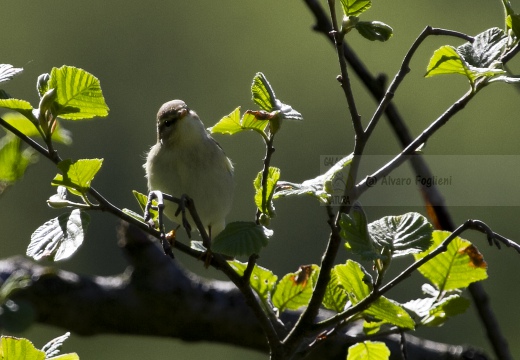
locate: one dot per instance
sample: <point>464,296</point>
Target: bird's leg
<point>208,254</point>
<point>159,196</point>
<point>181,209</point>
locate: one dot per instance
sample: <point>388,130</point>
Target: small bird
<point>186,160</point>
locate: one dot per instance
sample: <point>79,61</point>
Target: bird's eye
<point>167,123</point>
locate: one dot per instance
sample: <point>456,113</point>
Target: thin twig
<point>405,69</point>
<point>344,78</point>
<point>369,181</point>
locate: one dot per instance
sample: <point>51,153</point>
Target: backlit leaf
<point>446,60</point>
<point>295,289</point>
<point>335,295</point>
<point>272,178</point>
<point>358,285</point>
<point>355,7</point>
<point>264,97</point>
<point>77,175</point>
<point>473,60</point>
<point>12,348</point>
<point>79,94</point>
<point>229,124</point>
<point>262,280</point>
<point>60,237</point>
<point>232,123</point>
<point>368,350</point>
<point>455,268</point>
<point>21,106</point>
<point>263,93</point>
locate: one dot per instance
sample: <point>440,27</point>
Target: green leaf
<point>229,124</point>
<point>79,94</point>
<point>321,187</point>
<point>358,285</point>
<point>272,178</point>
<point>335,297</point>
<point>77,175</point>
<point>390,312</point>
<point>473,60</point>
<point>460,265</point>
<point>355,7</point>
<point>252,121</point>
<point>263,93</point>
<point>368,350</point>
<point>295,289</point>
<point>21,106</point>
<point>262,280</point>
<point>241,238</point>
<point>402,235</point>
<point>354,230</point>
<point>446,60</point>
<point>374,30</point>
<point>372,327</point>
<point>12,348</point>
<point>355,280</point>
<point>13,160</point>
<point>7,72</point>
<point>264,97</point>
<point>28,128</point>
<point>59,238</point>
<point>448,307</point>
<point>232,123</point>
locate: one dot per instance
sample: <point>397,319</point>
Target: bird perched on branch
<point>186,160</point>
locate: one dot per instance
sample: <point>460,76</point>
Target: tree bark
<point>156,297</point>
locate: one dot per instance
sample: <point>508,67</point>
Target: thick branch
<point>156,297</point>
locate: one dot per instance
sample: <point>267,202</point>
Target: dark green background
<point>207,53</point>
